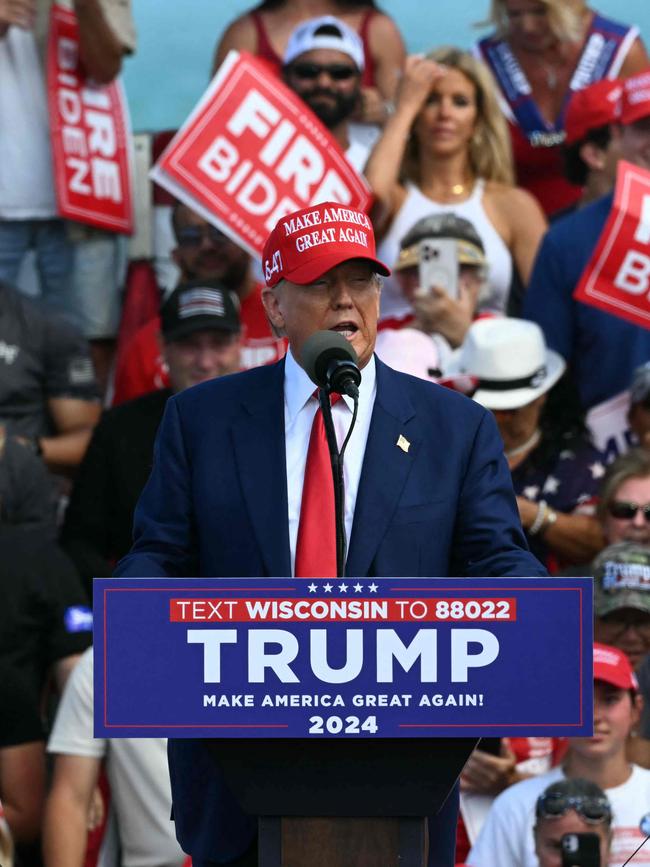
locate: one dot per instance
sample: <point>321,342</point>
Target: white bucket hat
<point>306,38</point>
<point>509,361</point>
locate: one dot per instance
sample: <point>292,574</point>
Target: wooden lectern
<point>342,803</point>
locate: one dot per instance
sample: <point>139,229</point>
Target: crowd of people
<point>492,172</point>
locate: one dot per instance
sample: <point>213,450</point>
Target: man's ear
<point>271,303</point>
<point>593,156</point>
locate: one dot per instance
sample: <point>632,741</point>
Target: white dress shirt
<point>299,410</point>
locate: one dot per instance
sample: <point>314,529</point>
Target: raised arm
<point>384,165</point>
<point>238,36</point>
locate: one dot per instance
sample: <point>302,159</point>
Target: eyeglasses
<point>193,236</point>
<point>614,626</point>
<point>336,71</point>
<point>554,805</point>
<point>625,510</point>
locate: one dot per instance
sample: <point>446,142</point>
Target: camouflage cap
<point>622,578</point>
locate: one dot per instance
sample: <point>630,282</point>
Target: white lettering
<point>633,275</point>
<point>259,660</point>
<point>353,656</point>
<point>423,647</point>
<point>212,639</point>
<point>255,113</point>
<point>219,159</point>
<point>462,660</point>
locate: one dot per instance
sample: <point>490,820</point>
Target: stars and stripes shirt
<point>569,484</point>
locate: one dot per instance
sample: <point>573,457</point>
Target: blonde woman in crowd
<point>542,51</point>
<point>446,148</point>
<point>265,31</point>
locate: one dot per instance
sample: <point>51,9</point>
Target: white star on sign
<point>373,588</point>
<point>597,470</point>
<point>531,492</point>
<point>327,588</point>
<point>358,588</point>
<point>551,485</point>
<point>343,588</point>
<point>312,588</point>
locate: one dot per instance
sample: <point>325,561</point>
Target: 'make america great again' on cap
<point>306,244</point>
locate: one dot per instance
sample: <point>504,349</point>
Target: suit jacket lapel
<point>260,454</point>
<point>385,469</point>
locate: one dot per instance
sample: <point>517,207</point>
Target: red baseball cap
<point>307,243</point>
<point>635,102</point>
<point>612,666</point>
<point>597,105</point>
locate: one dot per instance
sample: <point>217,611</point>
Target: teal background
<point>176,42</point>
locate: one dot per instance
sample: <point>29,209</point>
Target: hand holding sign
<point>252,152</point>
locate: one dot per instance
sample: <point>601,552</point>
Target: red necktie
<point>316,545</point>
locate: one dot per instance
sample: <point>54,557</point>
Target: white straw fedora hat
<point>509,361</point>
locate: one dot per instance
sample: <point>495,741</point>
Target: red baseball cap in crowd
<point>612,666</point>
<point>597,105</point>
<point>635,101</point>
<point>307,243</point>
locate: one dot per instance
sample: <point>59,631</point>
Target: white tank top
<point>417,205</point>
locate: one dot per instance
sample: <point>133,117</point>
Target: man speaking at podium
<point>242,487</point>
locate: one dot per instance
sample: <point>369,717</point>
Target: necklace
<point>530,443</point>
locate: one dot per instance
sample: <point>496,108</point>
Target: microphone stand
<point>336,459</point>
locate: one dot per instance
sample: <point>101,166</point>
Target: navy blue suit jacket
<point>216,505</point>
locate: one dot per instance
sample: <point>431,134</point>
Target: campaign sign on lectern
<point>345,658</point>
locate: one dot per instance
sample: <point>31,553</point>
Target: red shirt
<point>142,368</point>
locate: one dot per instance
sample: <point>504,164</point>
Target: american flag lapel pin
<point>403,443</point>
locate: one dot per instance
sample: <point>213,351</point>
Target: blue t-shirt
<point>602,350</point>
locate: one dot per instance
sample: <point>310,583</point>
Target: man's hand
<point>17,13</point>
<point>486,774</point>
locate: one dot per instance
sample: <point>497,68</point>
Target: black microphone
<point>331,362</point>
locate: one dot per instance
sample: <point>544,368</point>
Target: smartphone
<point>438,265</point>
<point>580,850</point>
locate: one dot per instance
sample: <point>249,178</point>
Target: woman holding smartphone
<point>446,148</point>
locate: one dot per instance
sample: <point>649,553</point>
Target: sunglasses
<point>614,626</point>
<point>625,510</point>
<point>336,71</point>
<point>193,236</point>
<point>592,810</point>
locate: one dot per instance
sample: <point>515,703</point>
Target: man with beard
<point>202,252</point>
<point>323,64</point>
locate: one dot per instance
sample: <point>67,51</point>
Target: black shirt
<point>44,613</point>
<point>20,721</point>
<point>98,527</point>
<point>41,357</point>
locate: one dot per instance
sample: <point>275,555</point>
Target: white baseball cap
<point>306,38</point>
